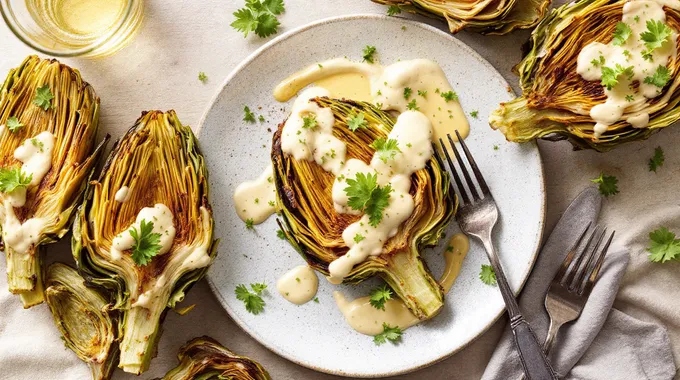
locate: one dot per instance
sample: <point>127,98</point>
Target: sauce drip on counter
<point>256,199</point>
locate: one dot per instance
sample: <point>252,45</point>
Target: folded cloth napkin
<point>604,343</point>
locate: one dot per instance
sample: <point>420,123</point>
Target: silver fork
<point>476,216</point>
<point>572,284</point>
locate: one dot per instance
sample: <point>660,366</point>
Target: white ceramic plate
<point>315,335</point>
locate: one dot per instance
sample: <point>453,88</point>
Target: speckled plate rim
<point>459,44</point>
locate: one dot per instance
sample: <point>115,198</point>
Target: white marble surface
<point>158,70</point>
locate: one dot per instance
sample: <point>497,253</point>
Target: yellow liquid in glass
<point>88,17</point>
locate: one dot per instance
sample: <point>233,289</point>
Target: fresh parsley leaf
<point>657,160</point>
<point>13,123</point>
<point>621,33</point>
<point>316,299</point>
<point>379,296</point>
<point>656,34</point>
<point>407,92</point>
<point>252,300</point>
<point>249,223</point>
<point>660,77</point>
<point>259,17</point>
<point>412,105</point>
<point>11,179</point>
<point>275,7</point>
<point>246,21</point>
<point>475,114</point>
<point>248,115</point>
<point>365,195</point>
<point>147,243</point>
<point>607,184</point>
<point>358,238</point>
<point>663,246</point>
<point>629,98</point>
<point>369,51</point>
<point>488,275</point>
<point>449,96</point>
<point>309,122</point>
<point>610,77</point>
<point>393,10</point>
<point>267,24</point>
<point>356,121</point>
<point>597,62</point>
<point>281,234</point>
<point>422,93</point>
<point>43,97</point>
<point>393,334</point>
<point>386,150</point>
<point>260,118</point>
<point>202,77</point>
<point>380,199</point>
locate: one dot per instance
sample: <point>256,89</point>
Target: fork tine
<point>468,179</point>
<point>569,278</point>
<point>456,178</point>
<point>473,165</point>
<point>588,259</point>
<point>440,161</point>
<point>570,256</point>
<point>592,277</point>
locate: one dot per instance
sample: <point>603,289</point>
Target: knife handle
<point>536,365</point>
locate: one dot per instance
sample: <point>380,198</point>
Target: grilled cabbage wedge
<point>312,226</point>
<point>72,119</point>
<point>556,101</point>
<point>83,316</point>
<point>205,358</point>
<point>482,16</point>
<point>159,160</point>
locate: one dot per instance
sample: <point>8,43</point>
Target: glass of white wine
<point>71,28</point>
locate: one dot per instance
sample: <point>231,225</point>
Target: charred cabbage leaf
<point>556,101</point>
<point>159,162</point>
<point>205,358</point>
<point>314,228</point>
<point>84,318</point>
<point>43,96</point>
<point>482,16</point>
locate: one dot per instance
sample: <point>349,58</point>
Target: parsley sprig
<point>607,184</point>
<point>248,115</point>
<point>366,195</point>
<point>356,121</point>
<point>252,300</point>
<point>379,296</point>
<point>657,160</point>
<point>656,34</point>
<point>488,275</point>
<point>610,76</point>
<point>43,97</point>
<point>147,243</point>
<point>449,96</point>
<point>621,33</point>
<point>393,10</point>
<point>660,77</point>
<point>392,334</point>
<point>13,124</point>
<point>663,246</point>
<point>259,17</point>
<point>385,149</point>
<point>12,179</point>
<point>368,53</point>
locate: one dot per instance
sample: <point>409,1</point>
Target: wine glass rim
<point>18,30</point>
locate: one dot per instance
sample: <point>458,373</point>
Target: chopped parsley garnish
<point>258,16</point>
<point>38,144</point>
<point>607,184</point>
<point>393,10</point>
<point>379,296</point>
<point>412,105</point>
<point>475,114</point>
<point>358,238</point>
<point>657,160</point>
<point>147,243</point>
<point>488,275</point>
<point>252,300</point>
<point>629,98</point>
<point>663,246</point>
<point>368,51</point>
<point>316,299</point>
<point>247,115</point>
<point>202,77</point>
<point>393,334</point>
<point>13,124</point>
<point>621,33</point>
<point>407,92</point>
<point>366,195</point>
<point>656,34</point>
<point>660,77</point>
<point>449,96</point>
<point>356,121</point>
<point>260,118</point>
<point>309,122</point>
<point>610,77</point>
<point>271,203</point>
<point>386,150</point>
<point>598,62</point>
<point>43,97</point>
<point>422,93</point>
<point>281,234</point>
<point>249,223</point>
<point>11,179</point>
<point>495,147</point>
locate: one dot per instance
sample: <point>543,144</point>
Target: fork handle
<point>534,361</point>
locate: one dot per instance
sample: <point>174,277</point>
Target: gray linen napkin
<point>603,343</point>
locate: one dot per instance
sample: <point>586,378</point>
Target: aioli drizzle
<point>161,217</point>
<point>122,195</point>
<point>256,199</point>
<point>298,285</point>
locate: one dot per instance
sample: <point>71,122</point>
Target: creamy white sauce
<point>623,101</point>
<point>161,217</point>
<point>256,199</point>
<point>298,285</point>
<point>366,319</point>
<point>36,155</point>
<point>122,195</point>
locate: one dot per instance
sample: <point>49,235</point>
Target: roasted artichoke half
<point>556,101</point>
<point>314,228</point>
<point>49,119</point>
<point>145,229</point>
<point>204,358</point>
<point>482,16</point>
<point>83,316</point>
